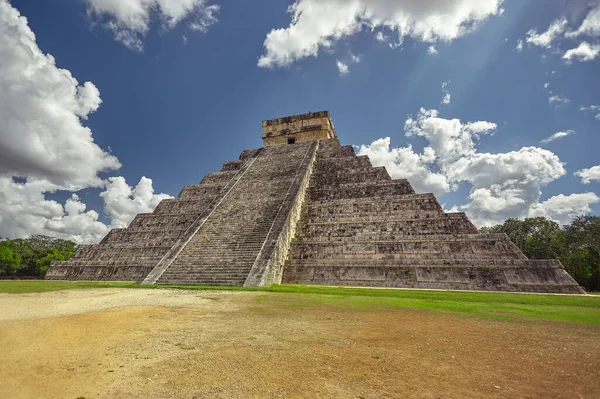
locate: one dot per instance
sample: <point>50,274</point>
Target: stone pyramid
<point>306,210</point>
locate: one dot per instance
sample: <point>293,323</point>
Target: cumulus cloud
<point>432,50</point>
<point>545,39</point>
<point>130,20</point>
<point>583,52</point>
<point>449,138</point>
<point>123,202</point>
<point>25,210</point>
<point>318,24</point>
<point>404,163</point>
<point>44,147</point>
<point>503,185</point>
<point>41,108</point>
<point>557,135</point>
<point>589,175</point>
<point>564,208</point>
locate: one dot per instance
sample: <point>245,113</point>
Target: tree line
<point>31,257</point>
<point>576,245</point>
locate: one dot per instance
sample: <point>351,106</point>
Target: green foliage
<point>577,245</point>
<point>36,253</point>
<point>10,261</point>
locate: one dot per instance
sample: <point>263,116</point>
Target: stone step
<point>426,249</point>
<point>224,283</point>
<point>404,201</point>
<point>544,279</point>
<point>337,163</point>
<point>218,177</point>
<point>360,190</point>
<point>175,206</point>
<point>199,191</point>
<point>113,262</point>
<point>232,165</point>
<point>151,221</point>
<point>425,263</point>
<point>449,224</point>
<point>407,239</point>
<point>367,257</point>
<point>373,217</point>
<point>139,236</point>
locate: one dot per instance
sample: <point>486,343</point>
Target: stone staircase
<point>129,254</point>
<point>360,228</point>
<point>224,250</point>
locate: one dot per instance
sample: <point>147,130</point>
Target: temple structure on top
<point>306,210</point>
<point>298,128</point>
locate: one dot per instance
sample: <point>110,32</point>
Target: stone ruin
<point>306,210</point>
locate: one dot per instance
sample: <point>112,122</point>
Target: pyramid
<point>306,210</point>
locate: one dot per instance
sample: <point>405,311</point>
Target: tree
<point>583,241</point>
<point>52,254</point>
<point>10,261</point>
<point>538,238</point>
<point>37,252</point>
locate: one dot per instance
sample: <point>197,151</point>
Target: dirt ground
<point>134,343</point>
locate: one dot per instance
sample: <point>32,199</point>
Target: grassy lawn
<point>577,308</point>
<point>24,286</point>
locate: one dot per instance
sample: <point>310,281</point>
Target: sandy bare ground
<point>124,343</point>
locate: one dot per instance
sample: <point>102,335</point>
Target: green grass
<point>24,286</point>
<point>576,308</point>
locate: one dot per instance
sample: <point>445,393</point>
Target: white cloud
<point>24,209</point>
<point>591,108</point>
<point>546,85</point>
<point>41,107</point>
<point>130,20</point>
<point>404,163</point>
<point>545,39</point>
<point>44,144</point>
<point>342,67</point>
<point>355,58</point>
<point>583,52</point>
<point>432,50</point>
<point>503,185</point>
<point>447,97</point>
<point>589,175</point>
<point>558,100</point>
<point>564,208</point>
<point>123,202</point>
<point>590,25</point>
<point>449,138</point>
<point>519,47</point>
<point>557,135</point>
<point>317,24</point>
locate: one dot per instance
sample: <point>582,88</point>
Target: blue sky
<point>177,101</point>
